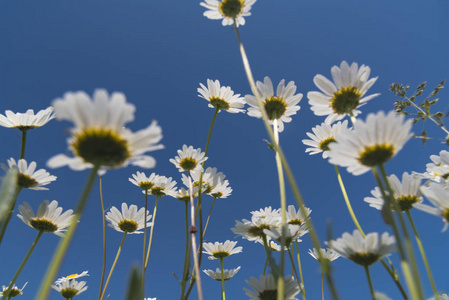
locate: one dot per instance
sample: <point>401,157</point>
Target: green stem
<point>423,254</point>
<point>407,239</point>
<point>303,289</point>
<point>113,266</point>
<point>185,274</point>
<point>24,138</point>
<point>223,297</point>
<point>65,242</point>
<point>322,286</point>
<point>13,280</point>
<point>208,217</point>
<point>144,244</point>
<point>292,261</point>
<point>270,258</point>
<point>265,267</point>
<point>370,283</point>
<point>414,290</point>
<point>11,209</point>
<point>103,268</point>
<point>151,232</point>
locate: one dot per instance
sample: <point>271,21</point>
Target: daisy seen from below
<point>189,159</point>
<point>142,181</point>
<point>438,169</point>
<point>213,182</point>
<point>279,107</point>
<point>69,288</point>
<point>29,178</point>
<point>28,120</point>
<point>228,10</point>
<point>221,97</point>
<point>371,143</point>
<point>293,233</point>
<point>184,195</point>
<point>15,291</point>
<point>73,276</point>
<point>49,217</point>
<point>260,220</point>
<point>130,220</point>
<point>265,288</point>
<point>438,195</point>
<point>364,251</point>
<point>295,217</point>
<point>227,274</point>
<point>99,138</point>
<point>406,193</point>
<point>219,250</point>
<point>163,186</point>
<point>322,136</point>
<point>326,254</point>
<point>343,96</point>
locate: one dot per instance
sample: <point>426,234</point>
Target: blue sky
<point>157,53</point>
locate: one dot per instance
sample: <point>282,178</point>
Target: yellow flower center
<point>69,293</point>
<point>43,225</point>
<point>268,295</point>
<point>275,107</point>
<point>146,185</point>
<point>205,187</point>
<point>406,202</point>
<point>220,254</point>
<point>345,100</point>
<point>127,226</point>
<point>219,103</point>
<point>188,163</point>
<point>158,191</point>
<point>101,147</point>
<point>376,155</point>
<point>364,259</point>
<point>26,182</point>
<point>295,222</point>
<point>324,144</point>
<point>257,231</point>
<point>231,8</point>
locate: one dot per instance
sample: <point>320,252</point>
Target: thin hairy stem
<point>185,271</point>
<point>24,138</point>
<point>113,266</point>
<point>144,244</point>
<point>303,289</point>
<point>103,268</point>
<point>223,297</point>
<point>292,261</point>
<point>151,232</point>
<point>208,217</point>
<point>368,276</point>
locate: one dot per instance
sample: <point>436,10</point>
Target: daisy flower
<point>15,291</point>
<point>438,195</point>
<point>163,186</point>
<point>221,250</point>
<point>364,251</point>
<point>142,181</point>
<point>293,233</point>
<point>129,220</point>
<point>228,10</point>
<point>69,288</point>
<point>440,297</point>
<point>343,96</point>
<point>327,254</point>
<point>279,107</point>
<point>254,230</point>
<point>49,217</point>
<point>439,167</point>
<point>189,159</point>
<point>406,193</point>
<point>29,178</point>
<point>295,217</point>
<point>213,183</point>
<point>99,137</point>
<point>184,195</point>
<point>227,274</point>
<point>370,143</point>
<point>322,136</point>
<point>221,98</point>
<point>72,276</point>
<point>28,120</point>
<point>265,288</point>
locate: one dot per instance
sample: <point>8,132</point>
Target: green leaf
<point>7,191</point>
<point>134,285</point>
<point>423,136</point>
<point>270,145</point>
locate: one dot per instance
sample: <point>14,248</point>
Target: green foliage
<point>134,285</point>
<point>6,191</point>
<point>422,111</point>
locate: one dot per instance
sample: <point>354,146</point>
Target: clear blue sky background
<point>157,53</point>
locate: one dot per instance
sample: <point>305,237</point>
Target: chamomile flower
<point>296,217</point>
<point>49,217</point>
<point>227,274</point>
<point>213,183</point>
<point>228,10</point>
<point>438,169</point>
<point>72,276</point>
<point>28,120</point>
<point>343,96</point>
<point>189,159</point>
<point>221,97</point>
<point>184,195</point>
<point>129,220</point>
<point>99,137</point>
<point>163,186</point>
<point>254,230</point>
<point>406,193</point>
<point>438,195</point>
<point>15,291</point>
<point>142,181</point>
<point>322,136</point>
<point>370,143</point>
<point>29,178</point>
<point>440,297</point>
<point>279,107</point>
<point>69,288</point>
<point>293,233</point>
<point>326,254</point>
<point>265,288</point>
<point>221,250</point>
<point>366,250</point>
